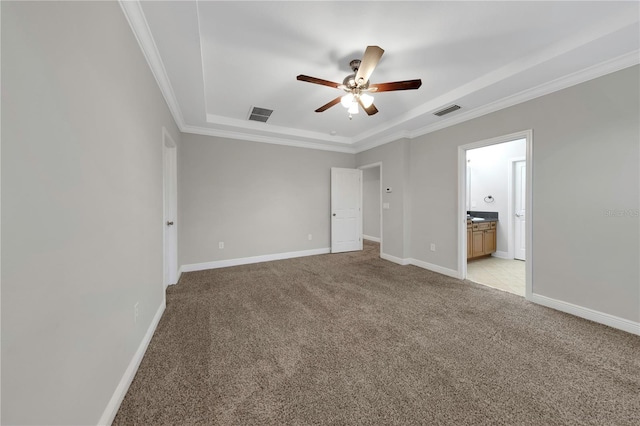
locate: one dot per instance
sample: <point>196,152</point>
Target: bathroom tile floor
<point>503,274</point>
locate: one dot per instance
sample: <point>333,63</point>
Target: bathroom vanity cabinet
<point>481,238</point>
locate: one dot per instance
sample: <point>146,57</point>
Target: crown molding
<point>230,134</point>
<point>373,143</point>
<point>264,128</point>
<point>132,10</point>
<point>616,64</point>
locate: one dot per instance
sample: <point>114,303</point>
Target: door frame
<point>462,204</point>
<point>370,166</point>
<point>511,223</point>
<point>170,273</point>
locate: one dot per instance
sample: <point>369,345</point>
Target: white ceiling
<point>215,60</point>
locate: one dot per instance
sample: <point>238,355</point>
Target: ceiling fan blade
<point>369,61</point>
<point>329,104</point>
<point>317,81</point>
<point>371,110</point>
<point>396,85</point>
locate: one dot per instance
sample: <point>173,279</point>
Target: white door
<point>170,188</point>
<point>520,182</point>
<point>346,210</point>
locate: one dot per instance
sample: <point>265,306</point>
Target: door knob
<point>169,223</point>
<point>334,214</point>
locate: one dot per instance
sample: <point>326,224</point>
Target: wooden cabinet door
<point>489,241</point>
<point>478,243</point>
<point>469,242</point>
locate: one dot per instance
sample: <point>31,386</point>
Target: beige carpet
<point>353,339</point>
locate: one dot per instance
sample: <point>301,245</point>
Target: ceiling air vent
<point>447,110</point>
<point>260,114</point>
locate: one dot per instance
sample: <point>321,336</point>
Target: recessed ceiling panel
<point>222,57</point>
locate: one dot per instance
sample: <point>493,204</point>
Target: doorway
<point>372,203</point>
<point>494,194</point>
<point>170,201</point>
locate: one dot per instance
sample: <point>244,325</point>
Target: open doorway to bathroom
<point>494,211</point>
<point>372,206</point>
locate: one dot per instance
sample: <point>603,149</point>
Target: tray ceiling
<point>216,60</point>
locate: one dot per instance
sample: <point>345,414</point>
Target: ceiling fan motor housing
<point>350,82</point>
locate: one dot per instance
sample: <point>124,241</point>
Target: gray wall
<point>258,199</point>
<point>394,171</point>
<point>81,207</point>
<point>585,164</point>
<point>371,201</point>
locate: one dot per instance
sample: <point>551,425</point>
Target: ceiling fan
<point>357,84</point>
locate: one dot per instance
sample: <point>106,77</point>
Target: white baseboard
<point>121,390</point>
<point>586,313</point>
<point>253,259</point>
<point>502,255</point>
<point>435,268</point>
<point>419,263</point>
<point>394,259</point>
<point>370,238</point>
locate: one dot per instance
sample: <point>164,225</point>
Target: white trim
<point>370,238</point>
<point>370,166</point>
<point>169,147</point>
<point>394,259</point>
<point>231,134</point>
<point>138,22</point>
<point>589,314</point>
<point>112,407</point>
<point>434,268</point>
<point>510,211</point>
<point>529,224</point>
<point>252,259</point>
<point>366,143</point>
<point>462,212</point>
<point>502,255</point>
<point>275,130</point>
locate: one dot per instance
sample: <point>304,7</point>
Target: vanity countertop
<point>481,219</point>
<point>482,216</point>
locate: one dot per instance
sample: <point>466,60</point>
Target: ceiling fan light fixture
<point>366,99</point>
<point>353,109</point>
<point>347,100</point>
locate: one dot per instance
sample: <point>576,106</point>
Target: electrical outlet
<point>433,247</point>
<point>310,237</point>
<point>221,245</point>
<point>136,312</point>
